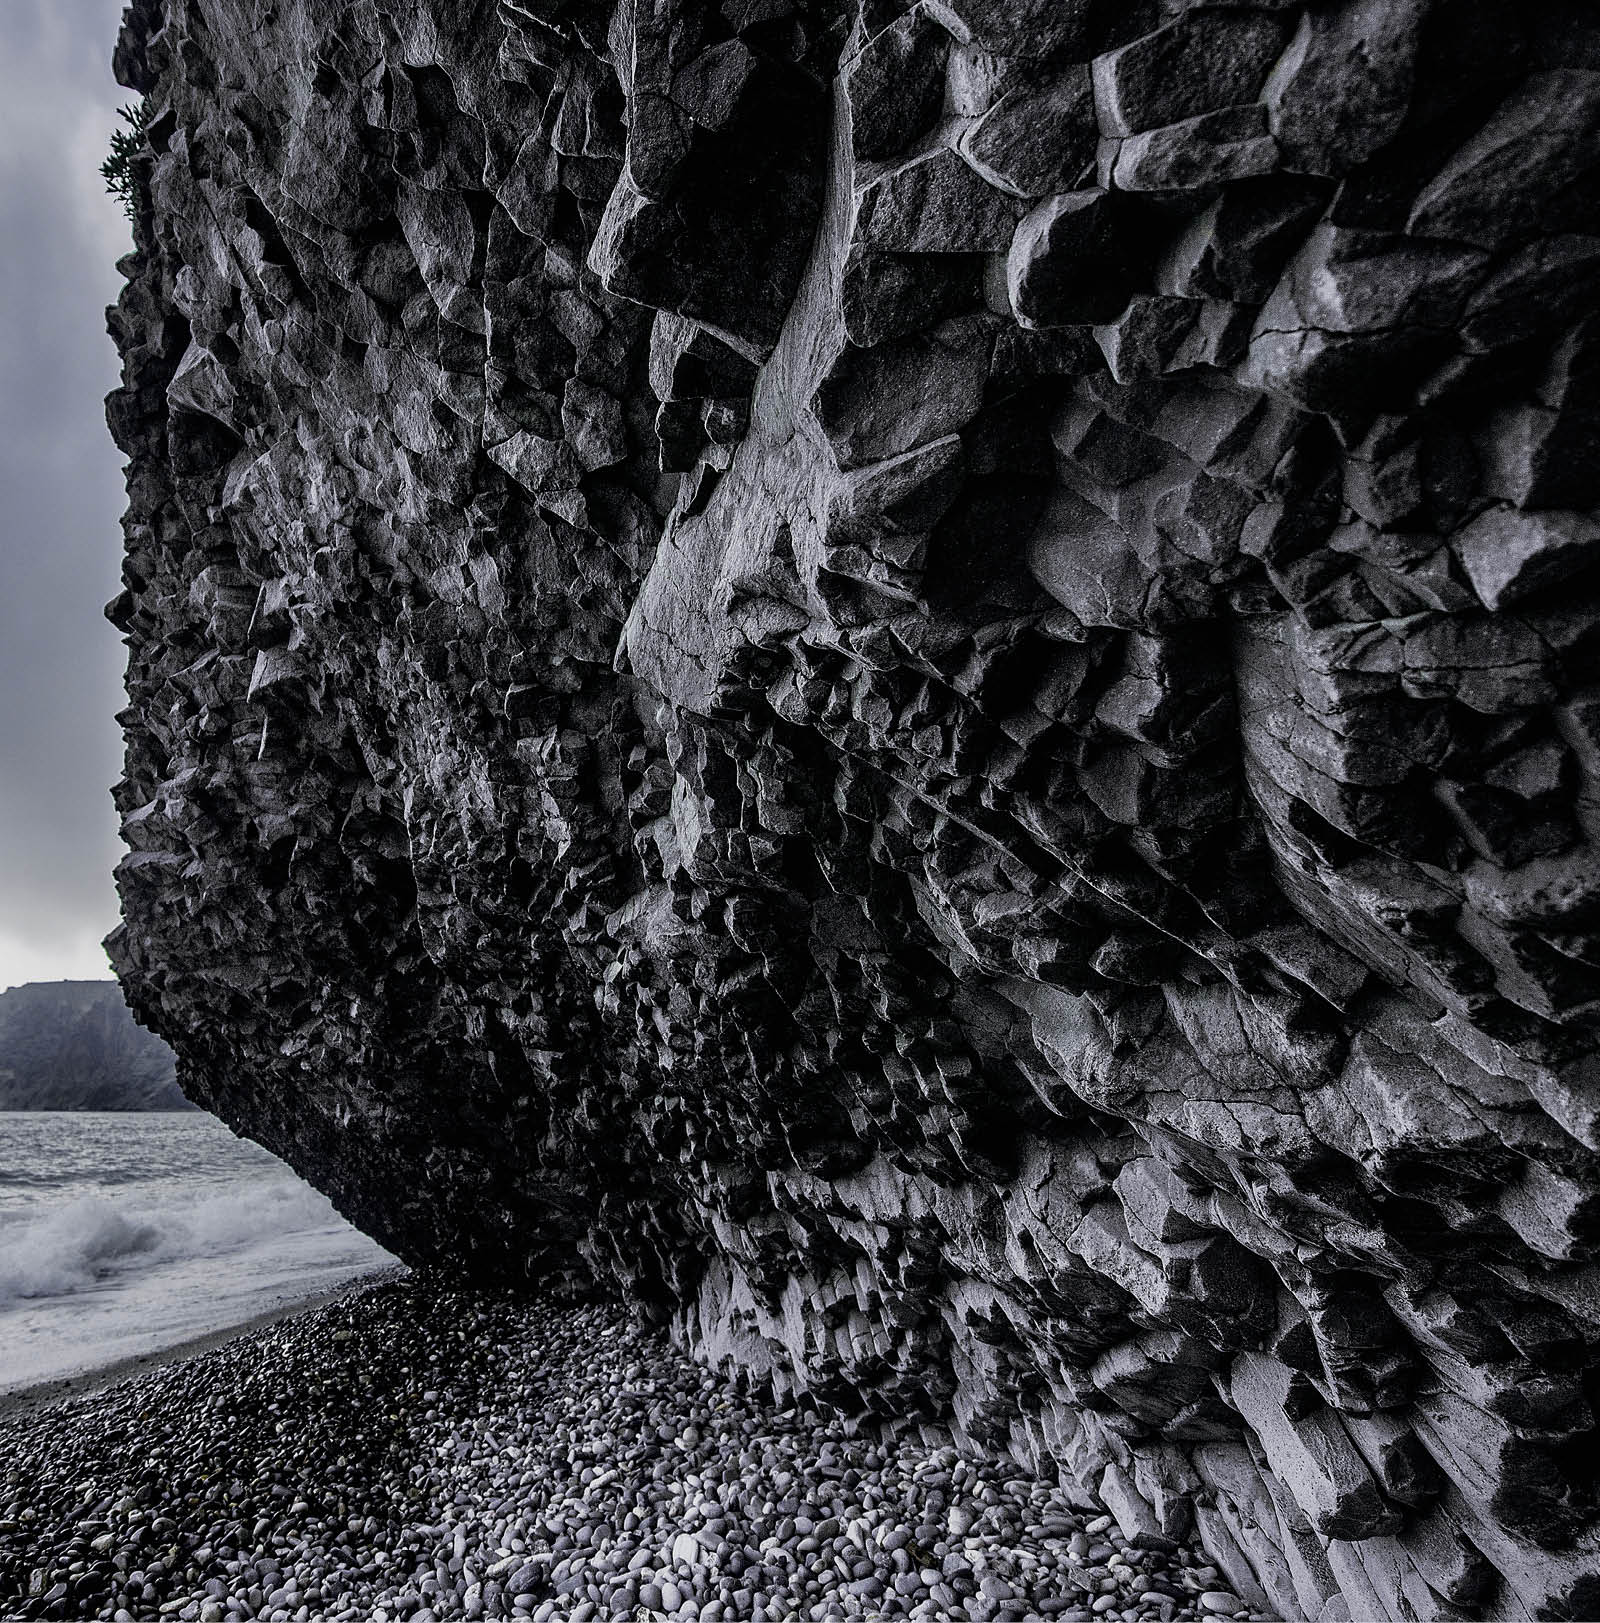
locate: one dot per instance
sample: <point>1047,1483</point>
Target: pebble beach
<point>418,1452</point>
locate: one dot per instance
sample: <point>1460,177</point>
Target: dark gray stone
<point>956,751</point>
<point>1037,138</point>
<point>1343,86</point>
<point>1205,60</point>
<point>1072,260</point>
<point>895,84</point>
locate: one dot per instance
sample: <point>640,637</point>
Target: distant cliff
<point>72,1045</point>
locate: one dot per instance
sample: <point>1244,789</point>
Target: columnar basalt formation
<point>917,682</point>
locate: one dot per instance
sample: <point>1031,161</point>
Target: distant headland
<point>73,1045</point>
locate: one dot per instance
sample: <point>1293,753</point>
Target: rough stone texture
<point>959,749</point>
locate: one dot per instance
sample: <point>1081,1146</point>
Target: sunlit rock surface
<point>920,684</point>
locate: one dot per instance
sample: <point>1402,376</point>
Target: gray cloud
<point>60,488</point>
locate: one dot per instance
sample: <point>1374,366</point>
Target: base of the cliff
<point>416,1452</point>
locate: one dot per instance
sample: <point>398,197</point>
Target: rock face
<point>72,1045</point>
<point>918,682</point>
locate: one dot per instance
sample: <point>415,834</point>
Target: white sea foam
<point>92,1239</point>
<point>124,1235</point>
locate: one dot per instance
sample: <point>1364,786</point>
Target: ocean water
<point>122,1235</point>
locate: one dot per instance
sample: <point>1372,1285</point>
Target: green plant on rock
<point>126,147</point>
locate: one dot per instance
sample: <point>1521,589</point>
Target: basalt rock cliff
<point>918,682</point>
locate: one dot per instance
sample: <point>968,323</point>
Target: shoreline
<point>427,1452</point>
<point>23,1401</point>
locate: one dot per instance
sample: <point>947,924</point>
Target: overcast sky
<point>60,489</point>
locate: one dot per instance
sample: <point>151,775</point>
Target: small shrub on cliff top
<point>126,146</point>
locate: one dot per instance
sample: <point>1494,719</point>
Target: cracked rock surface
<point>918,684</point>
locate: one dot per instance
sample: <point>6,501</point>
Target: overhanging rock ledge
<point>918,682</point>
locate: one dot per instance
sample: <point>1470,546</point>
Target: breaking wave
<point>91,1239</point>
